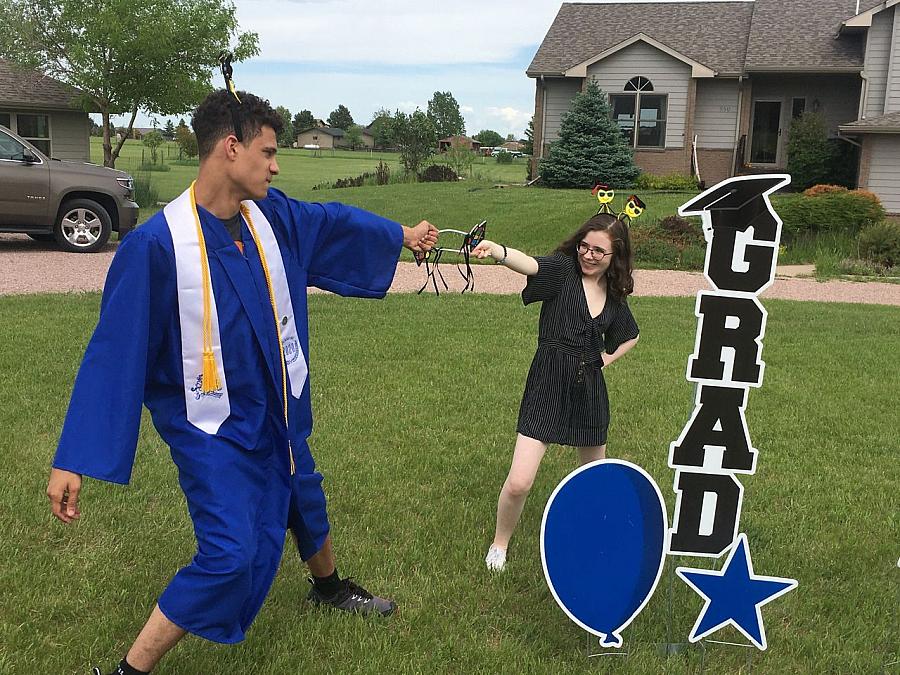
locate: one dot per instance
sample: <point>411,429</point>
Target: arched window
<point>641,115</point>
<point>639,84</point>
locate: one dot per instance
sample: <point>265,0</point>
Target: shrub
<point>866,268</point>
<point>145,194</point>
<point>504,157</point>
<point>382,173</point>
<point>809,153</point>
<point>672,181</point>
<point>880,243</point>
<point>674,243</point>
<point>146,166</point>
<point>682,231</point>
<point>830,212</point>
<point>438,173</point>
<point>817,190</point>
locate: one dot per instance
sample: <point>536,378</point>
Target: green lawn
<point>416,401</point>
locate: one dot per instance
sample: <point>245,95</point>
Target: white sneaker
<point>495,558</point>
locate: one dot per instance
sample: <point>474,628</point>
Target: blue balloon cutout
<point>603,544</point>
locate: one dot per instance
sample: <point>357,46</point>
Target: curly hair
<point>212,119</point>
<point>619,279</point>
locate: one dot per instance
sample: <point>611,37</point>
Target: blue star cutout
<point>734,595</point>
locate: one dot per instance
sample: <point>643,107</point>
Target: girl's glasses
<point>596,252</point>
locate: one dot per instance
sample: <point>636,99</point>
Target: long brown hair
<point>619,279</point>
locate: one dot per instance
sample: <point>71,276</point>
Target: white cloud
<point>512,117</point>
<point>403,32</point>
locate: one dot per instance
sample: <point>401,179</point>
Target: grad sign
<point>743,233</point>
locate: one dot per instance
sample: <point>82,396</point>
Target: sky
<point>395,54</point>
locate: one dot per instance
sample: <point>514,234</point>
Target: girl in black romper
<point>585,325</point>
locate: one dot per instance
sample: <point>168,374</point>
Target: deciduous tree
<point>155,55</point>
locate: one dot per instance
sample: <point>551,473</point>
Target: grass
<point>416,401</point>
<point>534,219</point>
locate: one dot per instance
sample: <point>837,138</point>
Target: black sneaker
<point>351,597</point>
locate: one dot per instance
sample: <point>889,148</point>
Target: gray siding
<point>716,113</point>
<point>838,96</point>
<point>668,75</point>
<point>558,95</point>
<point>892,95</point>
<point>70,136</point>
<point>884,170</point>
<point>878,52</point>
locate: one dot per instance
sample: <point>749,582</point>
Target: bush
<point>817,190</point>
<point>145,194</point>
<point>809,153</point>
<point>382,173</point>
<point>504,158</point>
<point>682,231</point>
<point>672,181</point>
<point>438,173</point>
<point>154,167</point>
<point>880,243</point>
<point>829,212</point>
<point>674,243</point>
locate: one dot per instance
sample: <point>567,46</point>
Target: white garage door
<point>884,170</point>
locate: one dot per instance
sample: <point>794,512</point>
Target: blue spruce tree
<point>591,148</point>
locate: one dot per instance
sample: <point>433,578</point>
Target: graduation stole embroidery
<point>205,384</point>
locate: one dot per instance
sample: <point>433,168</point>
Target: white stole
<point>208,410</point>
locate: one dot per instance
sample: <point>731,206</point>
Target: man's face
<point>256,165</point>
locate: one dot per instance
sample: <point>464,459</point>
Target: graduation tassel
<point>210,373</point>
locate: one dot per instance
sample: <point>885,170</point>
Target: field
<point>416,401</point>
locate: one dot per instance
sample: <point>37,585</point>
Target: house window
<point>36,130</point>
<point>6,120</point>
<point>798,107</point>
<point>640,115</point>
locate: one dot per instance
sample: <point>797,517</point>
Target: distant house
<point>513,146</point>
<point>444,144</point>
<point>45,112</point>
<point>731,75</point>
<point>328,138</point>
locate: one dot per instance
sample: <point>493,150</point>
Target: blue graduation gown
<point>237,483</point>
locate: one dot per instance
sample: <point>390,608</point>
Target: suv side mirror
<point>28,158</point>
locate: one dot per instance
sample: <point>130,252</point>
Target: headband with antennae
<point>234,100</point>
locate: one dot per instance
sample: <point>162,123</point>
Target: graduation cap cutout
<point>739,202</point>
<point>432,258</point>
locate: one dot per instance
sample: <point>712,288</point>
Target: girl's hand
<point>484,249</point>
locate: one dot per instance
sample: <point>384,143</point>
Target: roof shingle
<point>31,89</point>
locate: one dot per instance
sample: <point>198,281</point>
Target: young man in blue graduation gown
<point>205,311</point>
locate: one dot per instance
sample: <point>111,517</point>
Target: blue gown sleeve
<point>100,432</point>
<point>344,249</point>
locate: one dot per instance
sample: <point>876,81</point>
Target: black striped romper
<point>565,400</point>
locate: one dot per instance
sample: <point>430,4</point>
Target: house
<point>45,112</point>
<point>513,146</point>
<point>445,144</point>
<point>329,138</point>
<point>712,87</point>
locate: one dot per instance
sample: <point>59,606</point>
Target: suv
<point>75,203</point>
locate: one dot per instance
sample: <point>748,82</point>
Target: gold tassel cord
<point>262,258</point>
<point>210,379</point>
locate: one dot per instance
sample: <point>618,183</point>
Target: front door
<point>764,144</point>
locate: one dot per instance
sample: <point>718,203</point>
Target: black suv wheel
<point>83,226</point>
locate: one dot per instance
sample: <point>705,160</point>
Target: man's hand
<point>420,238</point>
<point>62,490</point>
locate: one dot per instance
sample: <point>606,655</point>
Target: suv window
<point>10,148</point>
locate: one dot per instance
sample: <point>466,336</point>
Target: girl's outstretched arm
<point>510,257</point>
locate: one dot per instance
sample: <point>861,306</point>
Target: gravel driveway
<point>27,266</point>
